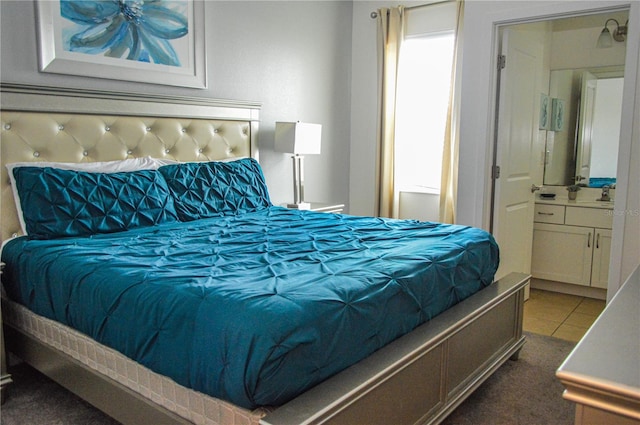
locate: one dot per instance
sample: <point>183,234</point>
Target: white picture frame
<point>188,50</point>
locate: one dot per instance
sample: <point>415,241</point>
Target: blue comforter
<point>254,308</point>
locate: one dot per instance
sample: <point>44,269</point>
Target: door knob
<point>535,188</point>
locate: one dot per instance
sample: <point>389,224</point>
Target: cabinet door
<point>601,255</point>
<point>562,253</point>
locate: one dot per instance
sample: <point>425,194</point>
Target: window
<point>424,80</point>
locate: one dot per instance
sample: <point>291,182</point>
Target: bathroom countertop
<point>584,203</point>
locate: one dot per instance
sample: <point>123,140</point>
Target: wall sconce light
<point>298,138</point>
<point>605,39</point>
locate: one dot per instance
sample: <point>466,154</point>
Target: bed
<point>283,270</point>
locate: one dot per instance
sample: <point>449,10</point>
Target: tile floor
<point>560,315</point>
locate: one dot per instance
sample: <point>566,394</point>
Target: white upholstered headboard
<point>45,124</point>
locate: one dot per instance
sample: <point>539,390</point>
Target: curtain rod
<point>374,14</point>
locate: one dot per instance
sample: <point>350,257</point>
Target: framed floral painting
<point>152,41</point>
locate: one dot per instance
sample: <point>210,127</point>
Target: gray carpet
<point>523,392</point>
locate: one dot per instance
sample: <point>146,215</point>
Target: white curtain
<point>449,181</point>
<point>390,35</point>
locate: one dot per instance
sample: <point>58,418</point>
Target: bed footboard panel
<point>419,383</point>
<point>476,345</point>
<point>422,377</point>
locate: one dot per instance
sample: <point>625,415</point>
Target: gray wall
<point>292,56</point>
<point>364,106</point>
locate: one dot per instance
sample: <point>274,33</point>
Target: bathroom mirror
<point>584,150</point>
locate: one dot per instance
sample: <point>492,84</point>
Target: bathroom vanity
<point>572,238</point>
<point>572,245</point>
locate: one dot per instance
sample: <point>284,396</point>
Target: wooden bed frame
<point>419,378</point>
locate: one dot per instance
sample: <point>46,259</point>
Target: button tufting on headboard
<point>96,129</point>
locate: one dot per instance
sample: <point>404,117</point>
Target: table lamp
<point>298,138</point>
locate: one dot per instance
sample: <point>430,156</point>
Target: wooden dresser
<point>602,373</point>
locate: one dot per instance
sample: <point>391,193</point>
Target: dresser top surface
<point>608,356</point>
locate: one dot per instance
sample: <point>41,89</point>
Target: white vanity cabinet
<point>572,244</point>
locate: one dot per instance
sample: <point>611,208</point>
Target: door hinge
<point>502,61</point>
<point>495,172</point>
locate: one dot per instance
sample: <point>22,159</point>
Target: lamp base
<point>300,206</point>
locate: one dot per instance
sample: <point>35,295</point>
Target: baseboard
<point>568,288</point>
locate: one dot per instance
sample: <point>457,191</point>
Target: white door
<point>585,127</point>
<point>519,148</point>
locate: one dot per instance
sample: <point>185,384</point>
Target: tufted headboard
<point>45,124</point>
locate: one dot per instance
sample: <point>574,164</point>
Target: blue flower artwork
<point>137,30</point>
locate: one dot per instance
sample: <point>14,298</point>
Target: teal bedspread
<point>252,308</point>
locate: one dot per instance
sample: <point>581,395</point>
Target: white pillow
<point>124,165</point>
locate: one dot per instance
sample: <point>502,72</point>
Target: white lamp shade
<point>605,39</point>
<point>298,137</point>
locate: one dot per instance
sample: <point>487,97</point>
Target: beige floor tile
<point>570,333</point>
<point>561,315</point>
<point>557,299</point>
<point>540,326</point>
<point>546,311</point>
<point>580,319</point>
<point>591,306</point>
